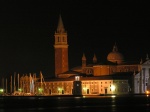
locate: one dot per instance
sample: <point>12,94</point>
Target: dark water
<point>136,103</point>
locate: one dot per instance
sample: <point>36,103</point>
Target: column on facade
<point>144,80</point>
<point>140,82</point>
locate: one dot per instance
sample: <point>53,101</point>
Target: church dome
<point>115,56</point>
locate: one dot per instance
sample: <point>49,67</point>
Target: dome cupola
<point>115,56</point>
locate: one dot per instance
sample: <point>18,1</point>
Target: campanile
<point>61,48</point>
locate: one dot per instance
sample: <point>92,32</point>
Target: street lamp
<point>40,90</point>
<point>59,90</point>
<point>85,90</point>
<point>113,88</point>
<point>1,91</point>
<point>20,90</point>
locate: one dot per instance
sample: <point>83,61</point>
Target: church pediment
<point>147,62</point>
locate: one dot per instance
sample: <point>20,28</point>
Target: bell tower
<point>61,48</point>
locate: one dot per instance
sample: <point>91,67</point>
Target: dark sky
<point>27,32</point>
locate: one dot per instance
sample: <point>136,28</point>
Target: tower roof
<point>83,57</point>
<point>60,27</point>
<point>94,59</point>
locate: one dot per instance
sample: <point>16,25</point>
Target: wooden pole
<point>11,84</point>
<point>6,85</point>
<point>18,81</point>
<point>14,82</point>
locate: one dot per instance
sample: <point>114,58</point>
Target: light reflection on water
<point>75,104</point>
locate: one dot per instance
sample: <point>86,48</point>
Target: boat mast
<point>6,85</point>
<point>14,82</point>
<point>18,81</point>
<point>11,84</point>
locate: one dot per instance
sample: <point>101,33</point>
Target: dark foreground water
<point>136,103</point>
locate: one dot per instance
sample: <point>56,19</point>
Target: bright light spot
<point>59,89</point>
<point>1,90</point>
<point>84,88</point>
<point>40,89</point>
<point>113,87</point>
<point>77,78</point>
<point>113,96</point>
<point>147,92</point>
<point>20,89</point>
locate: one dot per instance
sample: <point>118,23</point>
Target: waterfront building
<point>112,76</point>
<point>85,86</point>
<point>96,78</point>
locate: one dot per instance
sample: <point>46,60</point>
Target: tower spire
<point>83,57</point>
<point>147,57</point>
<point>83,60</point>
<point>141,61</point>
<point>115,48</point>
<point>94,59</point>
<point>60,27</point>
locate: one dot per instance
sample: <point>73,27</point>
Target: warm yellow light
<point>40,89</point>
<point>84,88</point>
<point>1,90</point>
<point>147,92</point>
<point>59,89</point>
<point>113,87</point>
<point>20,89</point>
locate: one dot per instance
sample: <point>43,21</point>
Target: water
<point>138,103</point>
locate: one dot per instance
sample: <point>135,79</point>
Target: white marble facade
<point>142,79</point>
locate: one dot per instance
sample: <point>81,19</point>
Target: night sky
<point>27,30</point>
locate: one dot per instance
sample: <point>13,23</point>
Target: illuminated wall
<point>88,87</point>
<point>99,70</point>
<point>141,79</point>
